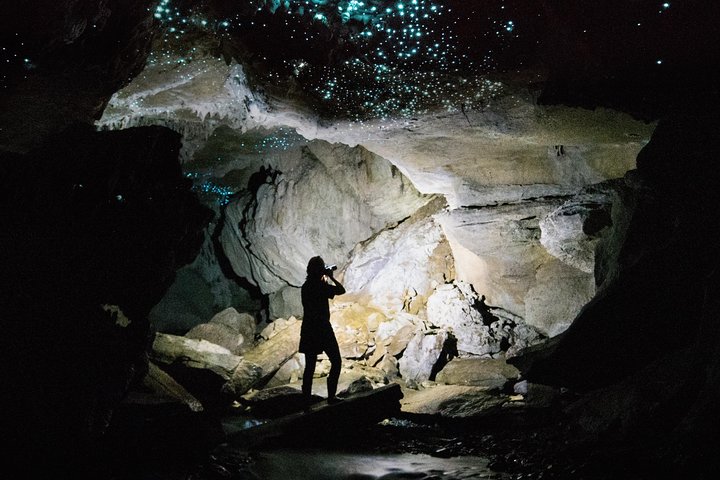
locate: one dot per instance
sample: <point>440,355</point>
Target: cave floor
<point>522,444</point>
<point>514,445</point>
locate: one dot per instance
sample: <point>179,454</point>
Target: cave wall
<point>64,59</point>
<point>95,226</point>
<point>644,348</point>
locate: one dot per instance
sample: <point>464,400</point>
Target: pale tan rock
<point>271,354</point>
<point>454,401</point>
<point>193,353</point>
<point>242,323</point>
<point>161,383</point>
<point>481,372</point>
<point>398,268</point>
<point>218,334</point>
<point>421,354</point>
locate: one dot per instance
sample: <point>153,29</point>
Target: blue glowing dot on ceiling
<point>406,54</point>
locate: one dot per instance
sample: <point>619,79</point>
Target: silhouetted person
<point>316,334</point>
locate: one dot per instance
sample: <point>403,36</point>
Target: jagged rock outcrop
<point>571,231</point>
<point>320,199</point>
<point>230,329</point>
<point>199,291</point>
<point>194,353</point>
<point>398,269</point>
<point>452,401</point>
<point>478,328</point>
<point>421,355</point>
<point>645,347</point>
<point>480,372</point>
<point>162,384</point>
<point>498,251</point>
<point>195,99</point>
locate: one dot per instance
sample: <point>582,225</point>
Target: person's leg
<point>310,361</point>
<point>333,353</point>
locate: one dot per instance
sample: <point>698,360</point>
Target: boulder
<point>290,371</point>
<point>421,355</point>
<point>159,382</point>
<point>394,335</point>
<point>243,323</point>
<point>452,401</point>
<point>478,328</point>
<point>398,269</point>
<point>497,249</point>
<point>271,354</point>
<point>228,328</point>
<point>275,327</point>
<point>199,354</point>
<point>479,372</point>
<point>389,365</point>
<point>218,334</point>
<point>571,231</point>
<point>350,325</point>
<point>285,302</point>
<point>557,298</point>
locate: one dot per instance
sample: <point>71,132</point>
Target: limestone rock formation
<point>477,329</point>
<point>480,372</point>
<point>158,381</point>
<point>199,97</point>
<point>200,290</point>
<point>229,329</point>
<point>398,269</point>
<point>201,354</point>
<point>453,401</point>
<point>359,194</point>
<point>571,231</point>
<point>498,250</point>
<point>421,355</point>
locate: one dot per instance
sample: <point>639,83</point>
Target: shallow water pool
<point>320,465</point>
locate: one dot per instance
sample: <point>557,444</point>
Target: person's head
<point>316,267</point>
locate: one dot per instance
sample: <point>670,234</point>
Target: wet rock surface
<point>521,443</point>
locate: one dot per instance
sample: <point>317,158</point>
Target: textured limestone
<point>571,231</point>
<point>200,354</point>
<point>453,401</point>
<point>230,329</point>
<point>421,355</point>
<point>329,198</point>
<point>480,372</point>
<point>325,199</point>
<point>476,328</point>
<point>398,269</point>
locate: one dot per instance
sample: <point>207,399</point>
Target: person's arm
<point>337,288</point>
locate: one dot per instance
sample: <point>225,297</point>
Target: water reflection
<point>319,465</point>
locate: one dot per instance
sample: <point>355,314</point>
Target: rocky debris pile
<point>451,363</point>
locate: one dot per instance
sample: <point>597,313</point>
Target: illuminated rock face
<point>319,199</point>
<point>502,175</point>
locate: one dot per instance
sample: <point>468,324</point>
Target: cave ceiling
<point>463,96</point>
